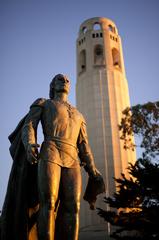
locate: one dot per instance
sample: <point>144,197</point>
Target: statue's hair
<point>51,91</point>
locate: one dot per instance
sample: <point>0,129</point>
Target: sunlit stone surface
<point>101,94</point>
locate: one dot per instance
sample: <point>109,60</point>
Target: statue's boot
<point>46,229</point>
<point>67,225</point>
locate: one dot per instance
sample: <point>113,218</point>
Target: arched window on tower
<point>116,58</point>
<point>98,55</point>
<point>84,30</point>
<point>111,28</point>
<point>96,26</point>
<point>82,61</point>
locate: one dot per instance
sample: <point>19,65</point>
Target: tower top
<point>97,23</point>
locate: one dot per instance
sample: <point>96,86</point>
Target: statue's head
<point>60,83</point>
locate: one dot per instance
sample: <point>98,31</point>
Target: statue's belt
<point>62,144</point>
<point>61,141</point>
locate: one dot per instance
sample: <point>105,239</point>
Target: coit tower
<point>101,95</point>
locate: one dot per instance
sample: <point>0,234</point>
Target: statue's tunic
<point>64,130</point>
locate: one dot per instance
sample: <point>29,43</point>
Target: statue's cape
<point>21,202</point>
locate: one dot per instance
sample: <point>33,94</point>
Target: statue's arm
<point>29,130</point>
<point>85,153</point>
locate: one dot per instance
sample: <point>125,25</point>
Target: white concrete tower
<point>102,93</point>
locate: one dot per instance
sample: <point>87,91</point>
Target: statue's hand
<point>94,173</point>
<point>32,153</point>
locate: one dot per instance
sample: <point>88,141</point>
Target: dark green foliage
<point>135,204</point>
<point>143,121</point>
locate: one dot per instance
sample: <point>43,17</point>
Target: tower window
<point>84,30</point>
<point>114,38</point>
<point>98,55</point>
<point>116,58</point>
<point>96,26</point>
<point>82,61</point>
<point>97,35</point>
<point>111,28</point>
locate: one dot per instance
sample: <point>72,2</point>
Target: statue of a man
<point>64,149</point>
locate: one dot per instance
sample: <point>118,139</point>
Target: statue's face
<point>61,84</point>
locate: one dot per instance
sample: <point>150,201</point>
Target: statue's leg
<point>68,215</point>
<point>48,184</point>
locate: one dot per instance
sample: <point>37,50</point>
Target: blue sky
<point>38,40</point>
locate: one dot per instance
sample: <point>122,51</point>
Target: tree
<point>135,204</point>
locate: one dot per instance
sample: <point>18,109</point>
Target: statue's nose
<point>66,80</point>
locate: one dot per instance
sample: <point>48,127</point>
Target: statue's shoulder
<point>79,114</point>
<point>83,119</point>
<point>38,102</point>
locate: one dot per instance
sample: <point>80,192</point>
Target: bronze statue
<point>48,182</point>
